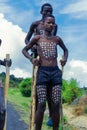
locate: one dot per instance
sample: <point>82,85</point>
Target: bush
<point>70,91</point>
<point>85,110</point>
<point>25,87</point>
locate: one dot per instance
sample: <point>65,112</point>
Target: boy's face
<point>46,10</point>
<point>49,23</point>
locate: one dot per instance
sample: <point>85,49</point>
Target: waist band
<point>48,68</point>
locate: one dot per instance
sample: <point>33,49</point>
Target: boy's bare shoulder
<point>36,23</point>
<point>58,38</point>
<point>37,37</point>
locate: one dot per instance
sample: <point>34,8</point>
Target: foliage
<point>84,90</point>
<point>70,90</point>
<point>85,110</point>
<point>2,76</point>
<point>14,81</point>
<point>25,87</point>
<point>23,106</point>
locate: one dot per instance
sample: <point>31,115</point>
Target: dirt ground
<point>80,122</point>
<point>14,121</point>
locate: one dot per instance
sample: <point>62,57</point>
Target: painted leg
<point>41,94</point>
<point>56,100</point>
<point>39,115</point>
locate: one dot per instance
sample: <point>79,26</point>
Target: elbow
<point>67,52</point>
<point>23,51</point>
<point>26,41</point>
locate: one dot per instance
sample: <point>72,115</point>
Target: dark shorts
<point>49,75</point>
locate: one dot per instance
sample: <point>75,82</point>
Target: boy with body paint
<point>37,28</point>
<point>48,71</point>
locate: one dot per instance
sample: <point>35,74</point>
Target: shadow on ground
<point>14,121</point>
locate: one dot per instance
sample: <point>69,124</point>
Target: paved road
<point>13,120</point>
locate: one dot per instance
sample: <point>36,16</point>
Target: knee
<point>41,107</point>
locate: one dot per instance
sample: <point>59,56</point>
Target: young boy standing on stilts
<point>48,71</point>
<point>37,28</point>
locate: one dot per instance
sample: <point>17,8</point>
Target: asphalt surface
<point>13,119</point>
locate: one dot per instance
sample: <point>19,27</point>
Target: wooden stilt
<point>61,109</point>
<point>33,102</point>
<point>6,86</point>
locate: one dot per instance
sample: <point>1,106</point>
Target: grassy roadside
<point>22,105</point>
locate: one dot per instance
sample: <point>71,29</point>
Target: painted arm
<point>30,33</point>
<point>65,52</point>
<point>29,46</point>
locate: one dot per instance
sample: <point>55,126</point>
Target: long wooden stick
<point>62,120</point>
<point>33,102</point>
<point>6,86</point>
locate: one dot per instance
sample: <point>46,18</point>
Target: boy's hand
<point>35,61</point>
<point>7,62</point>
<point>63,62</point>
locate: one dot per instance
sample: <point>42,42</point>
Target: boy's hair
<point>49,15</point>
<point>46,4</point>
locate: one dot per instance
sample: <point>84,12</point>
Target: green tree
<point>25,87</point>
<point>64,88</point>
<point>71,90</point>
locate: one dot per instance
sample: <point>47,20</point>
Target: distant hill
<point>14,81</point>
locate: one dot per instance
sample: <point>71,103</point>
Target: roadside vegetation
<point>19,95</point>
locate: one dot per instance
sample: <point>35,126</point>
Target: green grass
<point>22,105</point>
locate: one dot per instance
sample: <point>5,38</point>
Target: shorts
<point>49,75</point>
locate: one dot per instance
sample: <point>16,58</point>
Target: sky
<point>71,18</point>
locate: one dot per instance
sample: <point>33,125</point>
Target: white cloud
<point>41,2</point>
<point>5,8</point>
<point>77,9</point>
<point>76,69</point>
<point>79,64</point>
<point>20,73</point>
<point>12,38</point>
<point>17,16</point>
<point>12,42</point>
